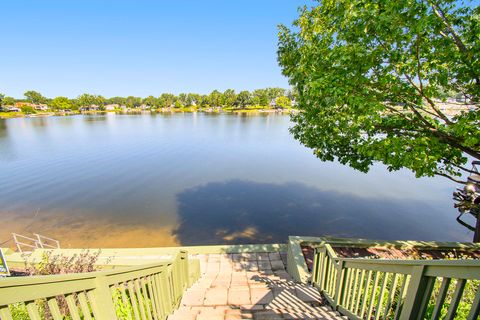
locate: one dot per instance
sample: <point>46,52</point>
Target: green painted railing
<point>150,291</point>
<point>397,289</point>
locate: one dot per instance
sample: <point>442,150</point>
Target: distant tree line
<point>268,97</point>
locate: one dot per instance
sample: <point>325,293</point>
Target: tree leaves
<point>368,75</point>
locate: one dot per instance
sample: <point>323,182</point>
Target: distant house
<point>24,104</point>
<point>144,107</point>
<point>273,103</point>
<point>11,109</point>
<point>123,107</point>
<point>92,107</point>
<point>41,107</point>
<point>111,107</point>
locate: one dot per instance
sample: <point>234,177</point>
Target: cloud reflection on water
<point>239,211</point>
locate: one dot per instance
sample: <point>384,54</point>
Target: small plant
<point>60,264</point>
<point>54,264</point>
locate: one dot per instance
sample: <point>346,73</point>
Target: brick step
<point>225,312</point>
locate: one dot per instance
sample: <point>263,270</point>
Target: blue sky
<point>140,47</point>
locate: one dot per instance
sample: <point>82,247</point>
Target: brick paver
<point>249,286</point>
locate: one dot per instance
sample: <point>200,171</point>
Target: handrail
<point>473,263</point>
<point>43,244</point>
<point>396,289</point>
<point>19,244</point>
<point>152,291</point>
<point>40,242</point>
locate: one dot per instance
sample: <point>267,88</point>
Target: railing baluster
<point>334,279</point>
<point>54,309</point>
<point>474,310</point>
<point>354,297</point>
<point>32,310</point>
<point>343,291</point>
<point>152,296</point>
<point>380,296</point>
<point>147,300</point>
<point>82,300</point>
<point>316,260</point>
<point>5,313</point>
<point>330,277</point>
<point>401,297</point>
<point>339,284</point>
<point>72,307</point>
<point>457,296</point>
<point>441,298</point>
<point>140,299</point>
<point>160,295</point>
<point>365,293</point>
<point>133,300</point>
<point>391,295</point>
<point>372,295</point>
<point>360,288</point>
<point>125,301</point>
<point>323,281</point>
<point>165,287</point>
<point>350,287</point>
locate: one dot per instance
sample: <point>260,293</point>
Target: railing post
<point>314,277</point>
<point>418,294</point>
<point>340,285</point>
<point>186,271</point>
<point>101,300</point>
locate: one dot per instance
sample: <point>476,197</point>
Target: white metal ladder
<point>31,244</point>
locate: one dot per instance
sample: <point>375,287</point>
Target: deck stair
<point>250,286</point>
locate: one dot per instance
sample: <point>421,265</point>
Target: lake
<point>112,180</point>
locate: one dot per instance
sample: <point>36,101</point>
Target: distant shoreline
<point>11,115</point>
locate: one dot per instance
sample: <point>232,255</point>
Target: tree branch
<point>458,166</point>
<point>449,177</point>
<point>420,89</point>
<point>456,38</point>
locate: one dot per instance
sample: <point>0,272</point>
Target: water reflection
<point>248,212</point>
<point>223,177</point>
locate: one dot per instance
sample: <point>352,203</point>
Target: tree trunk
<point>476,236</point>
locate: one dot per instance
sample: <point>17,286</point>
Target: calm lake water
<point>184,179</point>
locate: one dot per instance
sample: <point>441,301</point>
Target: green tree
<point>150,101</point>
<point>367,73</point>
<point>35,97</point>
<point>194,99</point>
<point>133,102</point>
<point>61,103</point>
<point>273,93</point>
<point>166,100</point>
<point>86,100</point>
<point>8,101</point>
<point>260,97</point>
<point>283,102</point>
<point>116,100</point>
<point>215,98</point>
<point>244,98</point>
<point>2,96</point>
<point>100,101</point>
<point>228,98</point>
<point>182,98</point>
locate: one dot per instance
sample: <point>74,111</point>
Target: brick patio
<point>249,286</point>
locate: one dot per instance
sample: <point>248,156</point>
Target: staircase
<point>249,286</point>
